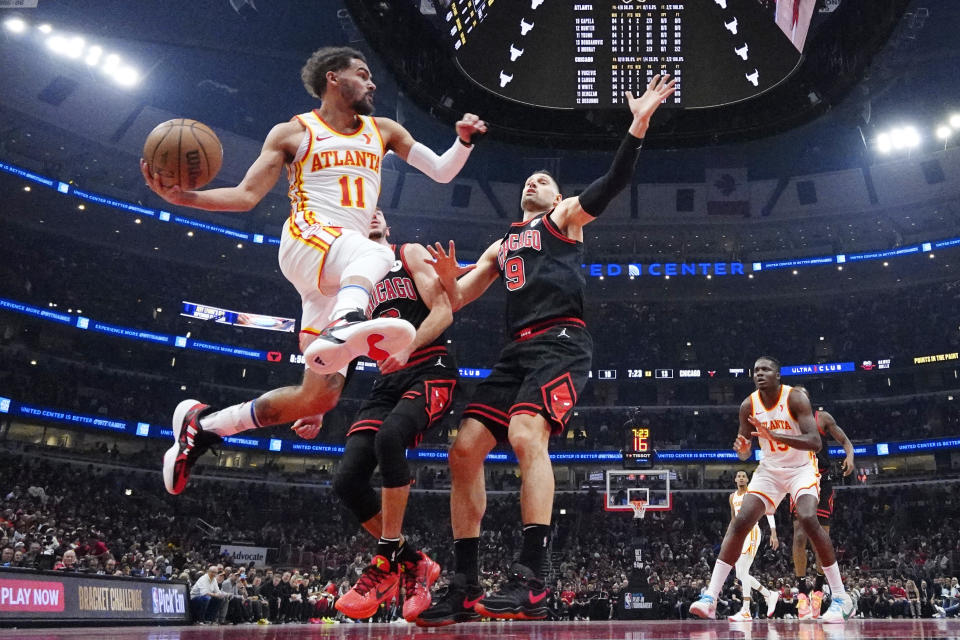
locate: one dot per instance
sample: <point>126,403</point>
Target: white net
<point>639,508</point>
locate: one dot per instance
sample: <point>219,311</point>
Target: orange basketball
<point>183,152</point>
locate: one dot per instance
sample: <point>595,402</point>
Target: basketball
<point>183,152</point>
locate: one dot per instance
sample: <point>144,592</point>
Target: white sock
<point>350,298</point>
<point>231,420</point>
<point>720,572</point>
<point>759,587</point>
<point>834,580</point>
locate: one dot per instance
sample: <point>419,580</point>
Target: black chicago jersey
<point>541,270</point>
<point>396,296</point>
<point>544,367</point>
<point>424,387</point>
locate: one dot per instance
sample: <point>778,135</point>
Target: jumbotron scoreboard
<point>569,54</point>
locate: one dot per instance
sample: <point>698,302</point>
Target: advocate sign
<point>244,555</point>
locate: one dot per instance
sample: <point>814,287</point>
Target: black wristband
<point>466,144</point>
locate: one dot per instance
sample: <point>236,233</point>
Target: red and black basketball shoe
<point>352,336</point>
<point>418,578</point>
<point>190,442</point>
<point>380,582</point>
<point>522,597</point>
<point>456,605</point>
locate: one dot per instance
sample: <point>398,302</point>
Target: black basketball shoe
<point>190,442</point>
<point>522,597</point>
<point>456,605</point>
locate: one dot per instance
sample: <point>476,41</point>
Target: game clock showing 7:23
<point>637,452</point>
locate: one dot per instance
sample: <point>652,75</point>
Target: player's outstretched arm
<point>435,298</point>
<point>838,434</point>
<point>440,168</point>
<point>260,177</point>
<point>583,209</point>
<point>478,276</point>
<point>743,445</point>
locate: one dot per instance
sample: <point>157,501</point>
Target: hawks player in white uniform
<point>333,157</point>
<point>750,547</point>
<point>783,422</point>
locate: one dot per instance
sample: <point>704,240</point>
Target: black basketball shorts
<point>539,375</point>
<point>422,390</point>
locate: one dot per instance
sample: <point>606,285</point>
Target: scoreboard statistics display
<point>567,54</point>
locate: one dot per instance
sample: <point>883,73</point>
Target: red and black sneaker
<point>352,336</point>
<point>418,578</point>
<point>380,582</point>
<point>189,443</point>
<point>456,605</point>
<point>522,597</point>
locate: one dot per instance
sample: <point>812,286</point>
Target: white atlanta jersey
<point>779,419</point>
<point>334,177</point>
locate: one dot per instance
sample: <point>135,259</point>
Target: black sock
<point>803,586</point>
<point>818,584</point>
<point>407,553</point>
<point>536,540</point>
<point>389,549</point>
<point>466,553</point>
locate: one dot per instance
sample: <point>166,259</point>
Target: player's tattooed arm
<point>476,279</point>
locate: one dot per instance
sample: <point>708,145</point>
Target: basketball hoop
<point>639,509</point>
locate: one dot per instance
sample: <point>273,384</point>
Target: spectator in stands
<point>205,596</point>
<point>6,557</point>
<point>94,547</point>
<point>899,605</point>
<point>68,562</point>
<point>913,598</point>
<point>259,608</point>
<point>109,567</point>
<point>272,593</point>
<point>231,607</point>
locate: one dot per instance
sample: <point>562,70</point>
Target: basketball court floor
<point>652,630</point>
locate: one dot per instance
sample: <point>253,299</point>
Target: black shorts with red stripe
<point>423,390</point>
<point>541,372</point>
<point>825,507</point>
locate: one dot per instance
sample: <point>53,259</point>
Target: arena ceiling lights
<point>904,138</point>
<point>75,47</point>
<point>907,138</point>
